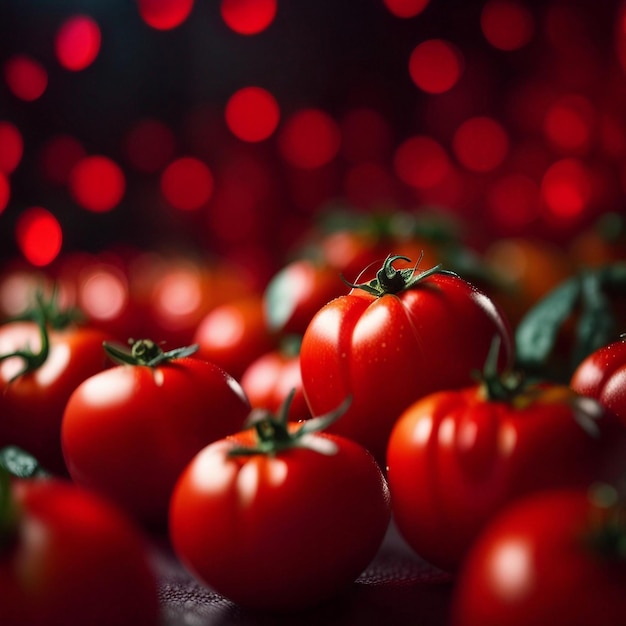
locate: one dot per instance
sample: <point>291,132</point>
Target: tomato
<point>602,375</point>
<point>40,367</point>
<point>297,292</point>
<point>67,557</point>
<point>129,431</point>
<point>269,380</point>
<point>279,517</point>
<point>234,334</point>
<point>407,336</point>
<point>550,559</point>
<point>457,457</point>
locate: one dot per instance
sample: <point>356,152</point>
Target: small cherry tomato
<point>68,557</point>
<point>553,558</point>
<point>234,334</point>
<point>279,517</point>
<point>129,431</point>
<point>602,375</point>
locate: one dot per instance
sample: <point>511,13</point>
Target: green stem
<point>145,352</point>
<point>32,360</point>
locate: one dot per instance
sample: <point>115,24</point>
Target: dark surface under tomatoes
<point>397,587</point>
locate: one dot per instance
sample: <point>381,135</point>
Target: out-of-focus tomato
<point>234,334</point>
<point>271,378</point>
<point>69,558</point>
<point>129,431</point>
<point>456,458</point>
<point>602,244</point>
<point>554,558</point>
<point>279,517</point>
<point>602,375</point>
<point>40,366</point>
<point>392,341</point>
<point>525,270</point>
<point>297,292</point>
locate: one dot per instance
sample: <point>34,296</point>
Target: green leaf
<point>536,334</point>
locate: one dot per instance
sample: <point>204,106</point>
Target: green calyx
<point>275,436</point>
<point>499,386</point>
<point>606,534</point>
<point>390,280</point>
<point>145,352</point>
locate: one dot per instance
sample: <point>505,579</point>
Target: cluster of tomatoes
<point>365,381</point>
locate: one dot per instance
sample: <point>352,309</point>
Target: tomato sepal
<point>145,352</point>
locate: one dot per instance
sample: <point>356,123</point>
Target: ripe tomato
<point>394,340</point>
<point>40,367</point>
<point>602,375</point>
<point>234,334</point>
<point>279,517</point>
<point>68,558</point>
<point>457,457</point>
<point>550,559</point>
<point>129,431</point>
<point>297,292</point>
<point>270,379</point>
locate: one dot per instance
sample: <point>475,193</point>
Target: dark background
<point>333,55</point>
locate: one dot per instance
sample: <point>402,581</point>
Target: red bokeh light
<point>480,144</point>
<point>566,188</point>
<point>38,235</point>
<point>164,14</point>
<point>97,183</point>
<point>77,42</point>
<point>366,136</point>
<point>103,292</point>
<point>513,201</point>
<point>5,191</point>
<point>25,77</point>
<point>435,66</point>
<point>11,147</point>
<point>187,183</point>
<point>309,139</point>
<point>248,17</point>
<point>421,162</point>
<point>252,114</point>
<point>405,8</point>
<point>58,157</point>
<point>506,24</point>
<point>150,145</point>
<point>568,123</point>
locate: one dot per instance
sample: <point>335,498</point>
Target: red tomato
<point>129,431</point>
<point>283,522</point>
<point>32,403</point>
<point>297,292</point>
<point>270,379</point>
<point>602,375</point>
<point>234,334</point>
<point>550,559</point>
<point>69,558</point>
<point>456,458</point>
<point>423,333</point>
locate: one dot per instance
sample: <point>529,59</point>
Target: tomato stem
<point>145,352</point>
<point>32,360</point>
<point>390,280</point>
<point>274,435</point>
<point>53,315</point>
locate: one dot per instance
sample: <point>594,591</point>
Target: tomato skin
<point>386,352</point>
<point>75,558</point>
<point>234,334</point>
<point>32,405</point>
<point>602,375</point>
<point>270,379</point>
<point>279,532</point>
<point>532,566</point>
<point>455,459</point>
<point>128,432</point>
